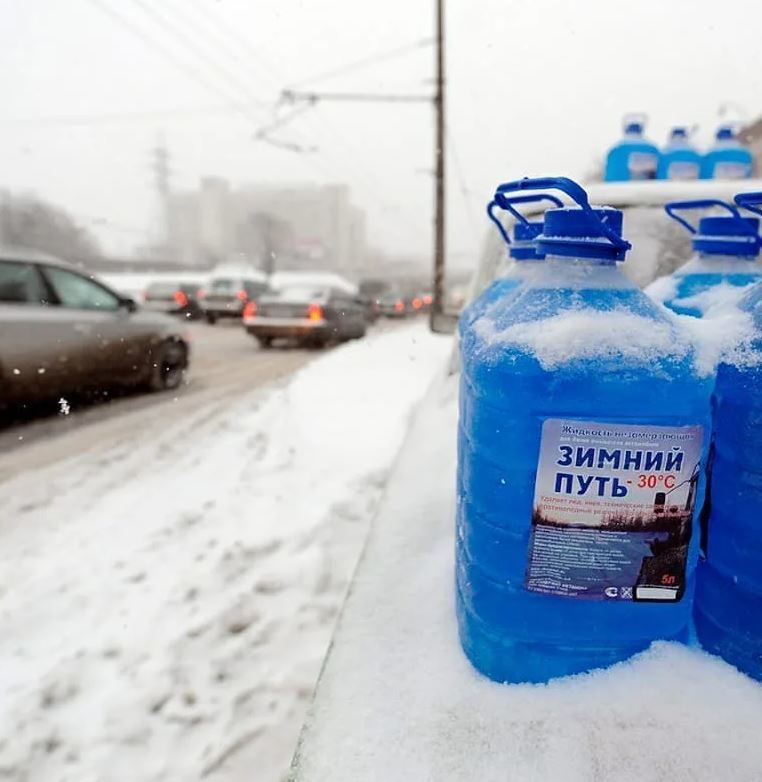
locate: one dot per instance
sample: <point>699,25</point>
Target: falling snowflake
<point>64,406</point>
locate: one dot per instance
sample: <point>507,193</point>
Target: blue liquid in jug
<point>533,602</point>
<point>699,277</point>
<point>728,609</point>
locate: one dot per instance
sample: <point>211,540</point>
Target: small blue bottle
<point>580,444</point>
<point>726,249</point>
<point>522,249</point>
<point>632,157</point>
<point>728,158</point>
<point>728,606</point>
<point>679,159</point>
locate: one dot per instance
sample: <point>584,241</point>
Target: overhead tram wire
<point>357,65</point>
<point>192,45</point>
<point>371,183</point>
<point>194,74</point>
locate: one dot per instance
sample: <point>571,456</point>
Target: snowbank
<point>165,605</point>
<point>398,700</point>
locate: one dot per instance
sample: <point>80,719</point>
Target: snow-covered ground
<point>165,604</point>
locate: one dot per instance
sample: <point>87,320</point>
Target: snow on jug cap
<point>729,234</point>
<point>580,231</point>
<point>523,246</point>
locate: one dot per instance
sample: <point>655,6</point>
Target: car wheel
<point>265,342</point>
<point>211,318</point>
<point>168,367</point>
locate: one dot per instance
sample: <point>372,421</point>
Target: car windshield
<point>244,250</point>
<point>163,289</point>
<point>302,293</point>
<point>224,285</point>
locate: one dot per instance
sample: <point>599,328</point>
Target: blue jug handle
<point>750,201</point>
<point>706,203</point>
<point>505,202</point>
<point>575,192</point>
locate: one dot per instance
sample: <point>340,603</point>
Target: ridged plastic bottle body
<point>632,158</point>
<point>728,609</point>
<point>509,632</point>
<point>696,281</point>
<point>679,162</point>
<point>727,160</point>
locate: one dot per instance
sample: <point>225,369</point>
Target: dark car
<point>226,296</point>
<point>309,315</point>
<point>392,305</point>
<point>61,331</point>
<point>174,298</point>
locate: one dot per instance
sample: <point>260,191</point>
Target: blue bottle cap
<point>633,127</point>
<point>678,132</point>
<point>725,132</point>
<point>523,247</point>
<point>729,234</point>
<point>575,232</point>
<point>720,235</point>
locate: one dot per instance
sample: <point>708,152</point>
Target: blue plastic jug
<point>726,248</point>
<point>728,158</point>
<point>679,159</point>
<point>581,436</point>
<point>728,608</point>
<point>633,157</point>
<point>522,249</point>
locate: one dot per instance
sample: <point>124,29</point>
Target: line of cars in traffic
<point>64,332</point>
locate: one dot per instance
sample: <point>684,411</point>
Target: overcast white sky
<point>535,87</point>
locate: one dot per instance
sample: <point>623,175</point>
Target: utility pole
<point>440,319</point>
<point>439,170</point>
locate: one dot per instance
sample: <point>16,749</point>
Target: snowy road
<point>169,590</point>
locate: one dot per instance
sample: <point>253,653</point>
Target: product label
<point>613,510</point>
<point>683,169</point>
<point>642,165</point>
<point>730,170</point>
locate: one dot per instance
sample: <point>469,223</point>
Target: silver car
<point>61,331</point>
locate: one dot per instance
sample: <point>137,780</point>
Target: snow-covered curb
<point>166,604</point>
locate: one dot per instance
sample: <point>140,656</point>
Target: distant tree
<point>27,221</point>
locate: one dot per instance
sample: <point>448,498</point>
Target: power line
<point>193,73</point>
<point>116,117</point>
<point>193,46</point>
<point>351,67</point>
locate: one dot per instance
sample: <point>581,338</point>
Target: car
<point>62,332</point>
<point>227,295</point>
<point>174,298</point>
<point>392,305</point>
<point>307,314</point>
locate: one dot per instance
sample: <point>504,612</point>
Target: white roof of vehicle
<point>659,192</point>
<point>320,279</point>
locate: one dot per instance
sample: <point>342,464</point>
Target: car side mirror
<point>128,304</point>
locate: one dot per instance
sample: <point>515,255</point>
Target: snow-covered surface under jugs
<point>398,700</point>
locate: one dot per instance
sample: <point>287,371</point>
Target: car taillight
<point>200,293</point>
<point>180,298</point>
<point>399,305</point>
<point>250,310</point>
<point>315,312</point>
<point>417,303</point>
<point>427,299</point>
<point>144,295</point>
<point>242,295</point>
